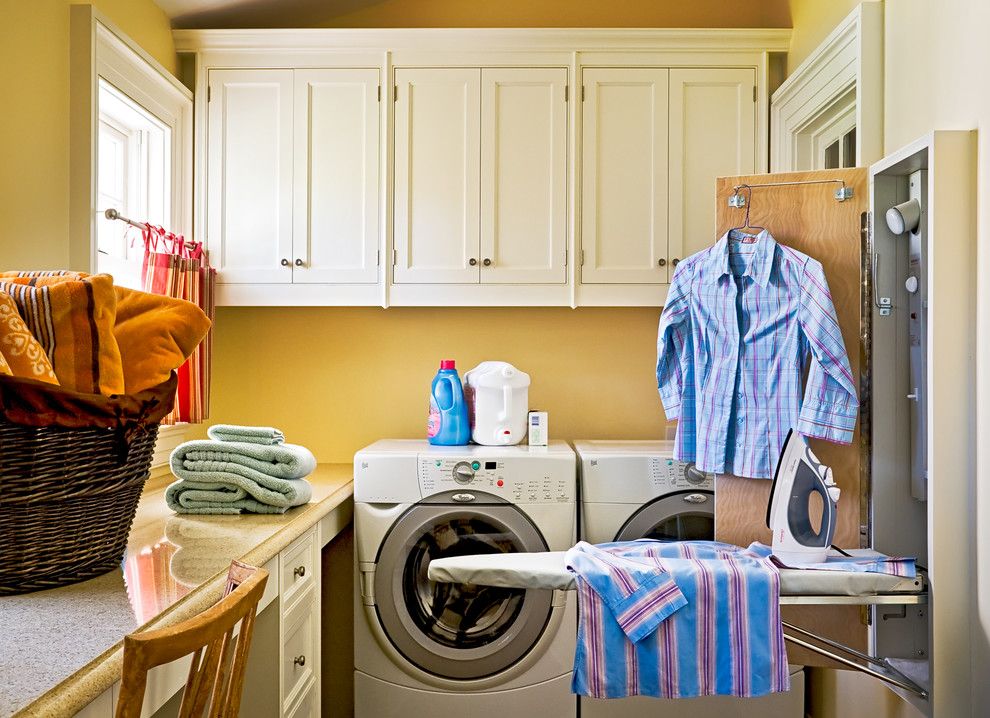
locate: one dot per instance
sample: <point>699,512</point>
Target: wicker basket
<point>68,494</point>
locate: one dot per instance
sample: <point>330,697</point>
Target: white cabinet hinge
<point>379,93</point>
<point>395,93</point>
<point>209,93</point>
<point>582,93</point>
<point>395,257</point>
<point>582,257</point>
<point>565,257</point>
<point>754,93</point>
<point>378,258</point>
<point>566,93</point>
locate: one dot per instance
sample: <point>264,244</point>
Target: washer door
<point>458,631</point>
<point>684,516</point>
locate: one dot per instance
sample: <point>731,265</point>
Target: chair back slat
<point>216,675</point>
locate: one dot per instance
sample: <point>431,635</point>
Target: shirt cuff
<point>642,612</point>
<point>671,405</point>
<point>831,422</point>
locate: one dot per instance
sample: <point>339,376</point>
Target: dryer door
<point>684,516</point>
<point>458,631</point>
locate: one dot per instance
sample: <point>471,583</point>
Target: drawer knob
<point>299,661</point>
<point>661,262</point>
<point>299,571</point>
<point>300,263</point>
<point>675,261</point>
<point>473,262</point>
<point>285,262</point>
<point>487,262</point>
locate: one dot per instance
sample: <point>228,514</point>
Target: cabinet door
<point>523,175</point>
<point>437,153</point>
<point>712,134</point>
<point>624,209</point>
<point>335,234</point>
<point>249,197</point>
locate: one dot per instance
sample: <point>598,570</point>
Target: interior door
<point>712,134</point>
<point>523,175</point>
<point>809,219</point>
<point>336,230</point>
<point>437,175</point>
<point>624,177</point>
<point>249,175</point>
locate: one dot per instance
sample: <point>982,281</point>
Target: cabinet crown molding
<point>455,39</point>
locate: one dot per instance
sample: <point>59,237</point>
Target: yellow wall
<point>34,123</point>
<point>338,379</point>
<point>501,13</point>
<point>812,21</point>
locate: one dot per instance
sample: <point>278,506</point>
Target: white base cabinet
<point>469,167</point>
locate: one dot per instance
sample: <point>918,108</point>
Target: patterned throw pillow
<point>72,317</point>
<point>20,353</point>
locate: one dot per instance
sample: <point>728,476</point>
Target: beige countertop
<point>62,648</point>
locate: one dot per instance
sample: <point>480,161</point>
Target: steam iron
<point>799,473</point>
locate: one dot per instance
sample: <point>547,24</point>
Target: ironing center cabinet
<point>490,168</point>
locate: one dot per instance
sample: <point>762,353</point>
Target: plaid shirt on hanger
<point>741,319</point>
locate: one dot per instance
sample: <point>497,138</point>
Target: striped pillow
<point>20,353</point>
<point>72,317</point>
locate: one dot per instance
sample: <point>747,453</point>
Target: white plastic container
<point>498,403</point>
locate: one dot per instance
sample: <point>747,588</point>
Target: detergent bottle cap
<point>447,364</point>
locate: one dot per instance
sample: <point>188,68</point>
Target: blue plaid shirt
<point>742,318</point>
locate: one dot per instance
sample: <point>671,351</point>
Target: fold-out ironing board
<point>548,570</point>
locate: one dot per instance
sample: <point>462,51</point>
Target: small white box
<point>538,434</point>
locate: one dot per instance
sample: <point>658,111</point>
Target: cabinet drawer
<point>298,567</point>
<point>308,706</point>
<point>300,646</point>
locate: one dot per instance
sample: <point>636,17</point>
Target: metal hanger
<point>748,201</point>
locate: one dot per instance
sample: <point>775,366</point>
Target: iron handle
<point>675,261</point>
<point>299,661</point>
<point>487,262</point>
<point>473,262</point>
<point>285,262</point>
<point>300,263</point>
<point>299,571</point>
<point>661,262</point>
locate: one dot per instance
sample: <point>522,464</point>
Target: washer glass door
<point>458,631</point>
<point>684,516</point>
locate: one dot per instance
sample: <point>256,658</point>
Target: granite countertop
<point>62,648</point>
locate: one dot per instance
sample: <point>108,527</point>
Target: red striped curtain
<point>176,267</point>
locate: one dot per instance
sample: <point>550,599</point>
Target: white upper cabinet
<point>336,202</point>
<point>523,176</point>
<point>250,175</point>
<point>624,191</point>
<point>712,134</point>
<point>437,175</point>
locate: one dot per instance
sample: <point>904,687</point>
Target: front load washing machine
<point>636,489</point>
<point>427,649</point>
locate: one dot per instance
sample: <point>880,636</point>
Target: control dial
<point>463,472</point>
<point>694,475</point>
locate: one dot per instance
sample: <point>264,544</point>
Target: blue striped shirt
<point>742,320</point>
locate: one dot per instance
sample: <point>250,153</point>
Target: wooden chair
<point>216,677</point>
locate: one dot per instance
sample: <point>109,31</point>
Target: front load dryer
<point>428,649</point>
<point>636,489</point>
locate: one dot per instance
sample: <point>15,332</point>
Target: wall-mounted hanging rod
<point>737,200</point>
<point>111,213</point>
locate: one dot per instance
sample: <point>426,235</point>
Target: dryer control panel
<point>668,474</point>
<point>517,479</point>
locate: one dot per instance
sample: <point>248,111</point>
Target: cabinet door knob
<point>299,571</point>
<point>674,261</point>
<point>299,661</point>
<point>487,262</point>
<point>300,263</point>
<point>473,262</point>
<point>661,262</point>
<point>285,262</point>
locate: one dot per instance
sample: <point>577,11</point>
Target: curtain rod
<point>841,194</point>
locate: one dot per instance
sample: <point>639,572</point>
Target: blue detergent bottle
<point>448,424</point>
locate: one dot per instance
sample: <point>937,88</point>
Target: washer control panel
<point>518,479</point>
<point>668,474</point>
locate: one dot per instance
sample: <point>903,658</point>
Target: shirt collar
<point>759,267</point>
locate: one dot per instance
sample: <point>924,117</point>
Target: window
<point>143,161</point>
<point>841,152</point>
<point>134,168</point>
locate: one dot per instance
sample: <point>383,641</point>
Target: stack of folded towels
<point>240,469</point>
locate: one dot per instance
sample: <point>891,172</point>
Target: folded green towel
<point>246,434</point>
<point>220,477</point>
